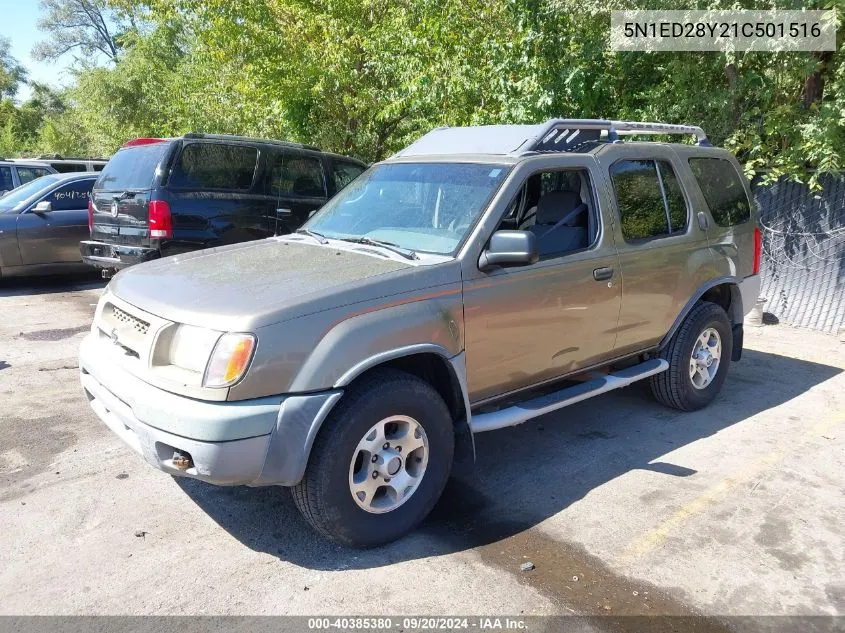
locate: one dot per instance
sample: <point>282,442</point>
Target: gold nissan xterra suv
<point>479,278</point>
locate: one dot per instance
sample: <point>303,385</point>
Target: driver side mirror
<point>510,248</point>
<point>42,207</point>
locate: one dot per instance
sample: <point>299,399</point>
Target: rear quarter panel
<point>732,246</point>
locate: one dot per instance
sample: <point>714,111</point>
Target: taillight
<point>161,224</point>
<point>758,249</point>
<point>90,217</point>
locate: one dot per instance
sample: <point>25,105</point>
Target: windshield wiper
<point>395,248</point>
<point>317,236</point>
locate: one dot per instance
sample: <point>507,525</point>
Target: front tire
<point>380,461</point>
<point>698,355</point>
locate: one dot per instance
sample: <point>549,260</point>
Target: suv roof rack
<point>555,135</point>
<point>561,135</point>
<point>232,137</point>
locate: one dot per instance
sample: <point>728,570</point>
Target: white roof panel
<point>482,139</point>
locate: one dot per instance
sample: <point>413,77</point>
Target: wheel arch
<point>723,291</point>
<point>447,375</point>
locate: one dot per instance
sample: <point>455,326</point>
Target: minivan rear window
<point>132,167</point>
<point>722,189</point>
<point>215,166</point>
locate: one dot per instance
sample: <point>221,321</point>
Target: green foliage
<point>366,77</point>
<point>84,27</point>
<point>12,74</point>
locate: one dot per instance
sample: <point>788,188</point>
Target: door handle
<point>600,274</point>
<point>703,224</point>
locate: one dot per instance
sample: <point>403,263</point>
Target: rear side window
<point>27,174</point>
<point>723,191</point>
<point>297,176</point>
<point>649,197</point>
<point>6,183</point>
<point>344,173</point>
<point>72,196</point>
<point>132,167</point>
<point>215,166</point>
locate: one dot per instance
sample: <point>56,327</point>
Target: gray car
<point>42,223</point>
<point>477,279</point>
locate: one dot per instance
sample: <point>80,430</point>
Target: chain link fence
<point>803,267</point>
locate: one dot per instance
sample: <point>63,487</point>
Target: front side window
<point>215,166</point>
<point>72,196</point>
<point>28,174</point>
<point>722,189</point>
<point>294,175</point>
<point>557,206</point>
<point>649,197</point>
<point>18,199</point>
<point>427,207</point>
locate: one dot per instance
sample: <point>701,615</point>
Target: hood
<point>245,286</point>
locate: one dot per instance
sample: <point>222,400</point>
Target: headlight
<point>229,360</point>
<point>190,347</point>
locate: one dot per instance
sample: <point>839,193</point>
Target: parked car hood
<point>245,286</point>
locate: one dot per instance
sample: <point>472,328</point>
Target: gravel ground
<point>623,507</point>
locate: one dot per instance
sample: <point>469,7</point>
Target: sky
<point>17,22</point>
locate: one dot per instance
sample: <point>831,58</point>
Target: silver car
<point>477,279</point>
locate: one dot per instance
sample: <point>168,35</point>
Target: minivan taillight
<point>90,217</point>
<point>160,222</point>
<point>758,249</point>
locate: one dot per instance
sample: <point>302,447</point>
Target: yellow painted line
<point>653,538</point>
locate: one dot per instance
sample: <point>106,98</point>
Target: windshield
<point>132,167</point>
<point>16,199</point>
<point>427,207</point>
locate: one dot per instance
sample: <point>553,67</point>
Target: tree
<point>12,74</point>
<point>88,26</point>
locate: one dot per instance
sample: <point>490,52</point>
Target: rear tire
<point>705,338</point>
<point>389,428</point>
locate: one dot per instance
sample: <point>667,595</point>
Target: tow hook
<point>182,461</point>
<point>107,273</point>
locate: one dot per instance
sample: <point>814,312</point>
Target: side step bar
<point>524,411</point>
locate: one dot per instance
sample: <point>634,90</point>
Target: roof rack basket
<point>561,135</point>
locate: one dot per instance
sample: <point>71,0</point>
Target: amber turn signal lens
<point>229,360</point>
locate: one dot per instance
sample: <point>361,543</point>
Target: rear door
<point>53,236</point>
<point>663,252</point>
<point>298,185</point>
<point>214,194</point>
<point>122,193</point>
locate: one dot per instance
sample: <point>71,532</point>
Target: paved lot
<point>623,506</point>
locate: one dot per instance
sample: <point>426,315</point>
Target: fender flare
<point>736,296</point>
<point>457,369</point>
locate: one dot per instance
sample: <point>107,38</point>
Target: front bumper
<point>253,442</point>
<point>104,255</point>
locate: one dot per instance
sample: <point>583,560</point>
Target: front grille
<point>139,325</point>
